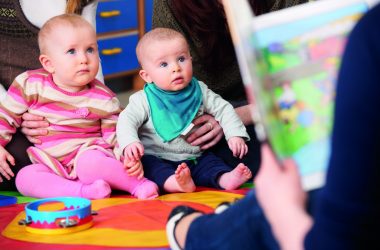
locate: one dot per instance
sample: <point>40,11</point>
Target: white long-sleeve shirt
<point>135,125</point>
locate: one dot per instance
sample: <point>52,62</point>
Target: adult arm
<point>347,213</point>
<point>279,192</point>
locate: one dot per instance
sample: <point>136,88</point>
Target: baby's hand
<point>238,146</point>
<point>5,170</point>
<point>134,168</point>
<point>134,151</point>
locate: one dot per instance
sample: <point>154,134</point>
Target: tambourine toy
<point>75,216</point>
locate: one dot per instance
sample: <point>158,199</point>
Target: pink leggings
<point>97,174</point>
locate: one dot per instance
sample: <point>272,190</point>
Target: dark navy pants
<point>205,170</point>
<point>242,226</point>
<point>252,159</point>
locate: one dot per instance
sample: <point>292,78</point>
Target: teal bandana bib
<point>173,111</point>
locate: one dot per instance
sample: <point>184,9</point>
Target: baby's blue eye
<point>71,51</point>
<point>90,50</point>
<point>181,59</point>
<point>163,65</point>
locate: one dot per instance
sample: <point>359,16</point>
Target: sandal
<point>176,215</point>
<point>223,206</point>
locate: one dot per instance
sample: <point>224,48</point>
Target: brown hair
<point>205,22</point>
<point>76,6</point>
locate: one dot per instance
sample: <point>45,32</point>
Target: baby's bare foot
<point>235,178</point>
<point>183,178</point>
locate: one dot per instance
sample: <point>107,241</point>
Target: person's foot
<point>178,224</point>
<point>235,178</point>
<point>146,190</point>
<point>183,178</point>
<point>99,189</point>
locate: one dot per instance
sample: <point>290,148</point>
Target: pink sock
<point>38,180</point>
<point>145,190</point>
<point>94,165</point>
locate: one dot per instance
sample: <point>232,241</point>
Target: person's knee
<point>87,159</point>
<point>25,177</point>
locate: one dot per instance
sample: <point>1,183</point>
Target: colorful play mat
<point>122,222</point>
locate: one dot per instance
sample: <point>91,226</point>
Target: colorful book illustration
<point>289,62</point>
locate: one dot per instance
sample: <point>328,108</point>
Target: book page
<point>289,61</point>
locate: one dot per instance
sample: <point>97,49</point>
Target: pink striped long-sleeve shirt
<point>78,121</point>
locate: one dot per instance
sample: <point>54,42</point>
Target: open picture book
<point>289,61</point>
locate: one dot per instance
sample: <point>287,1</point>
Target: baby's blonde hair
<point>67,20</point>
<point>157,34</point>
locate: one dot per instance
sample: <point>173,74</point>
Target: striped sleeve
<point>15,103</point>
<point>108,124</point>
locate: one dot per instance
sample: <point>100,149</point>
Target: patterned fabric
<point>13,23</point>
<point>18,41</point>
<point>78,121</point>
<point>18,38</point>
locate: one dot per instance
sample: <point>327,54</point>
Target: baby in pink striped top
<point>77,157</point>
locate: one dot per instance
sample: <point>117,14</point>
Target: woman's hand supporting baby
<point>208,134</point>
<point>33,126</point>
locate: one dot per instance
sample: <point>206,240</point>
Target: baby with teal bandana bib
<point>153,126</point>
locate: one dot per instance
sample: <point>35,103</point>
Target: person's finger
<point>245,149</point>
<point>34,131</point>
<point>3,171</point>
<point>9,172</point>
<point>131,158</point>
<point>135,153</point>
<point>198,133</point>
<point>269,164</point>
<point>141,175</point>
<point>35,124</point>
<point>10,159</point>
<point>131,171</point>
<point>203,139</point>
<point>290,165</point>
<point>128,155</point>
<point>125,161</point>
<point>33,140</point>
<point>31,117</point>
<point>203,119</point>
<point>141,150</point>
<point>235,150</point>
<point>212,142</point>
<point>134,170</point>
<point>242,151</point>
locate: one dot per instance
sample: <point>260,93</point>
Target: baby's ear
<point>46,63</point>
<point>144,75</point>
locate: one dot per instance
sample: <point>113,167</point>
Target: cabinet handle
<point>109,52</point>
<point>106,14</point>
